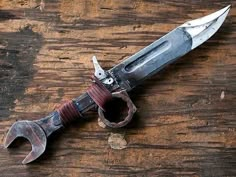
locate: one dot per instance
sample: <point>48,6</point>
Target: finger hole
<point>119,110</point>
<point>116,110</point>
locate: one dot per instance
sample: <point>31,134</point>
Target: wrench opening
<point>33,133</point>
<point>36,132</point>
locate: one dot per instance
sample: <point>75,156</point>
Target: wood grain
<point>186,119</point>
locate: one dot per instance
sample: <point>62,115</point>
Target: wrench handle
<point>65,114</point>
<point>75,108</point>
<point>97,94</point>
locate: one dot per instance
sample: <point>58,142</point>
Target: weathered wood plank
<point>185,124</point>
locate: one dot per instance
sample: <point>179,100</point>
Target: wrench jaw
<point>34,154</point>
<point>32,132</point>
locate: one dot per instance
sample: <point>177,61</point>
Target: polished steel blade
<point>203,28</point>
<point>167,49</point>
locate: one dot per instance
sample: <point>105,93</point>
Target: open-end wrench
<point>116,82</point>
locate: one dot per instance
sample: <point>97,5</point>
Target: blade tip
<point>228,7</point>
<point>225,10</point>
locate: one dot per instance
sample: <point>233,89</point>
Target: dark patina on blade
<point>152,59</point>
<point>167,49</point>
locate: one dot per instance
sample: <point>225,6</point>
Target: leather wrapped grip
<point>68,112</point>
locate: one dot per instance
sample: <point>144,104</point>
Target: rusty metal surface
<point>33,133</point>
<point>121,120</point>
<point>36,132</point>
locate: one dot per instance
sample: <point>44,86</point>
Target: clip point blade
<point>208,18</point>
<point>202,29</point>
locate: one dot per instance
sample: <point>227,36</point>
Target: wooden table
<point>186,119</point>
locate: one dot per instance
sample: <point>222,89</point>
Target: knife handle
<point>99,95</point>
